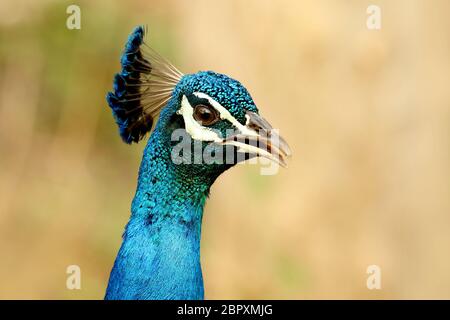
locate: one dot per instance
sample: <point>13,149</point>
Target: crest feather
<point>142,88</point>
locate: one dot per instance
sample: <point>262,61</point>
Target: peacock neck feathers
<point>160,254</point>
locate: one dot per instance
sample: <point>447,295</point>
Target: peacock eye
<point>205,115</point>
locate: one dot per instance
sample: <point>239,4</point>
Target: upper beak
<point>260,139</point>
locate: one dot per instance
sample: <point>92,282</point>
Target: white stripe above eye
<point>199,132</point>
<point>195,129</point>
<point>226,115</point>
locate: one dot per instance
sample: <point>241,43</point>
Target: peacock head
<point>207,121</point>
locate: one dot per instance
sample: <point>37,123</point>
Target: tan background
<point>366,113</point>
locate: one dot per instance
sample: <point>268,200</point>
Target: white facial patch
<point>195,129</point>
<point>199,132</point>
<point>226,115</point>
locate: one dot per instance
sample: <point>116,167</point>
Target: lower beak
<point>260,139</point>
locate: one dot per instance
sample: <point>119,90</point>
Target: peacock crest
<point>142,88</point>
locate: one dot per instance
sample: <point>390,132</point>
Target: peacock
<point>202,124</point>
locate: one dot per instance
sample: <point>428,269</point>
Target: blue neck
<point>160,254</point>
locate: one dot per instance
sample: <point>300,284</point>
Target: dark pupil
<point>204,114</point>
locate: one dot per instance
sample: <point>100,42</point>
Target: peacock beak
<point>260,139</point>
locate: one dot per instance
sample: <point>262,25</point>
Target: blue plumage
<point>125,100</point>
<point>160,253</point>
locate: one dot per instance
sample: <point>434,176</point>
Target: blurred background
<point>366,112</point>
